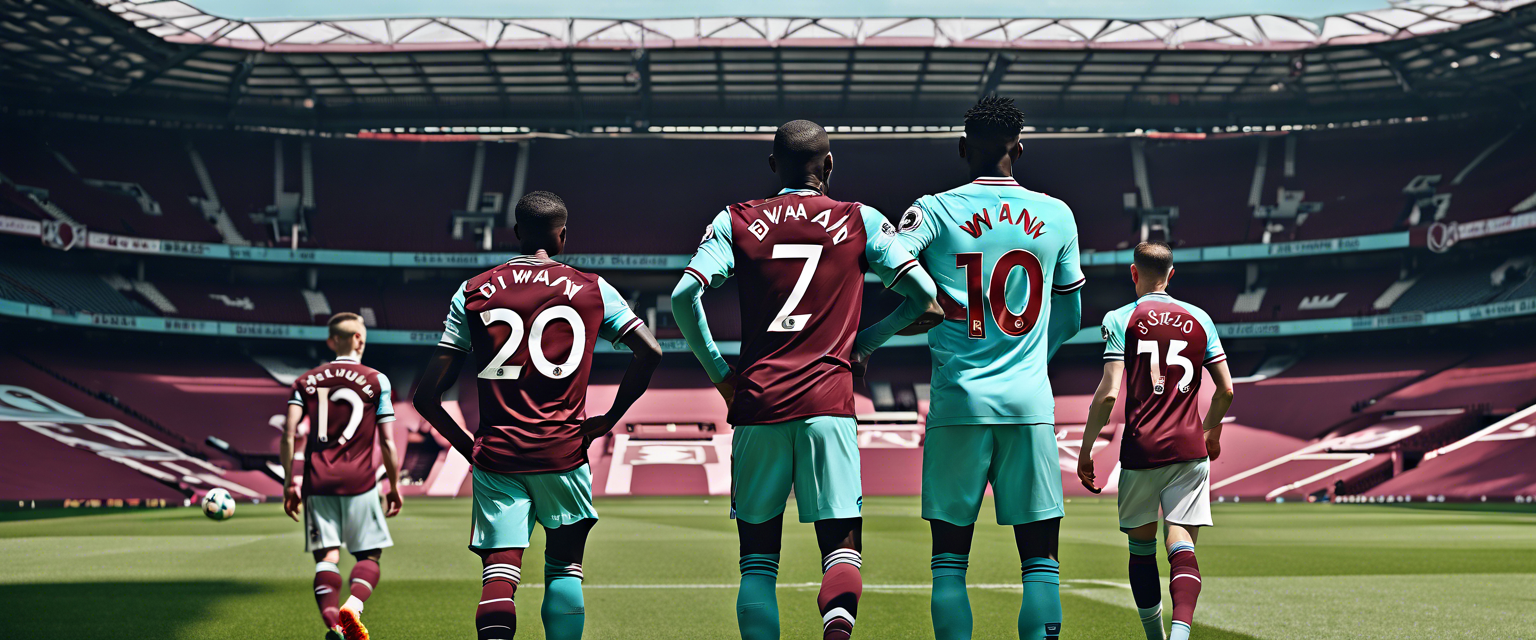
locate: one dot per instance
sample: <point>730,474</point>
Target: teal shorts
<point>817,456</point>
<point>1019,461</point>
<point>506,505</point>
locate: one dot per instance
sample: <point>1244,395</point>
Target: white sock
<point>354,604</point>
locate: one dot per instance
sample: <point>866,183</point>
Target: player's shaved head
<point>541,218</point>
<point>800,142</point>
<point>993,124</point>
<point>1154,259</point>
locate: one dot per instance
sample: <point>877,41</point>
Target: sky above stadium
<point>264,10</point>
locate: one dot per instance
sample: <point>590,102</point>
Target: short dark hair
<point>994,119</point>
<point>798,142</point>
<point>1153,258</point>
<point>339,332</point>
<point>541,212</point>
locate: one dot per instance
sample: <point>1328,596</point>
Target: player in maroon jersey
<point>531,325</point>
<point>1165,452</point>
<point>801,258</point>
<point>350,410</point>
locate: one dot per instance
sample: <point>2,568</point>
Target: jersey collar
<point>349,359</point>
<point>788,190</point>
<point>996,181</point>
<point>1157,293</point>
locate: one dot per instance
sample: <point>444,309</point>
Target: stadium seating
<point>69,290</point>
<point>657,194</point>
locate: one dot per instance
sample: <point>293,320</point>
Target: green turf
<point>666,568</point>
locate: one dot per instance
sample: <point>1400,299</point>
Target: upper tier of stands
<point>654,195</point>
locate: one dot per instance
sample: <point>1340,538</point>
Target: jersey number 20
<point>497,369</point>
<point>993,297</point>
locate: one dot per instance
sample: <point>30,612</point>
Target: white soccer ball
<point>218,504</point>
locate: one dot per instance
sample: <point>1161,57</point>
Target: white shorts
<point>1182,489</point>
<point>356,522</point>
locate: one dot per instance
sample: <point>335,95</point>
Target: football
<point>218,504</point>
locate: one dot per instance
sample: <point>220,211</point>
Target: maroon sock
<point>1184,586</point>
<point>364,578</point>
<point>841,587</point>
<point>328,592</point>
<point>496,617</point>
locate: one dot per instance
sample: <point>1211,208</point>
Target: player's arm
<point>1065,321</point>
<point>710,266</point>
<point>620,324</point>
<point>914,232</point>
<point>898,270</point>
<point>1066,317</point>
<point>1220,402</point>
<point>384,418</point>
<point>442,369</point>
<point>1098,416</point>
<point>285,449</point>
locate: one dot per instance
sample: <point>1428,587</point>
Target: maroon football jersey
<point>1166,346</point>
<point>801,260</point>
<point>346,402</point>
<point>532,324</point>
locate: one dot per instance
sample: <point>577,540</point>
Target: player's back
<point>1165,344</point>
<point>800,257</point>
<point>997,252</point>
<point>532,324</point>
<point>346,401</point>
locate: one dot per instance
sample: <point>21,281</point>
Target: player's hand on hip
<point>860,364</point>
<point>727,389</point>
<point>595,427</point>
<point>1085,473</point>
<point>392,503</point>
<point>1213,444</point>
<point>930,319</point>
<point>291,501</point>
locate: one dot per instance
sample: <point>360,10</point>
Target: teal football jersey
<point>997,252</point>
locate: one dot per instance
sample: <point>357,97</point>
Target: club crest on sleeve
<point>887,228</point>
<point>912,219</point>
<point>1104,331</point>
<point>709,233</point>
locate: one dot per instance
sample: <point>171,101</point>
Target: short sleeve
<point>888,258</point>
<point>714,262</point>
<point>297,397</point>
<point>618,318</point>
<point>386,410</point>
<point>455,330</point>
<point>1113,330</point>
<point>1069,267</point>
<point>1213,351</point>
<point>917,228</point>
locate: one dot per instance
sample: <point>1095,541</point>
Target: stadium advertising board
<point>1353,244</point>
<point>1441,236</point>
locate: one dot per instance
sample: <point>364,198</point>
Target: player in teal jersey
<point>1006,262</point>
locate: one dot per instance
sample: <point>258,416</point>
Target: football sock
<point>564,610</point>
<point>757,601</point>
<point>841,587</point>
<point>1040,612</point>
<point>1184,586</point>
<point>365,576</point>
<point>950,606</point>
<point>328,592</point>
<point>1146,587</point>
<point>496,617</point>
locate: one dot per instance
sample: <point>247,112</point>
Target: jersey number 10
<point>993,297</point>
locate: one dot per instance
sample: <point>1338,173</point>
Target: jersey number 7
<point>811,254</point>
<point>994,296</point>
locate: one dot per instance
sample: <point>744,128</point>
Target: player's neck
<point>1002,169</point>
<point>350,355</point>
<point>812,183</point>
<point>1161,287</point>
<point>542,254</point>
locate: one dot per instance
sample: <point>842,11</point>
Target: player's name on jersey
<point>783,212</point>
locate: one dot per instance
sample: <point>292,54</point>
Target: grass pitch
<point>666,568</point>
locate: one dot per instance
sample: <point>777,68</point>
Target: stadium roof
<point>166,59</point>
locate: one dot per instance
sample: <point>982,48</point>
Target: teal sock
<point>1040,613</point>
<point>1180,631</point>
<point>950,605</point>
<point>757,602</point>
<point>1152,621</point>
<point>564,611</point>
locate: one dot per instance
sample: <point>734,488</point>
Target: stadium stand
<point>1495,461</point>
<point>72,291</point>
